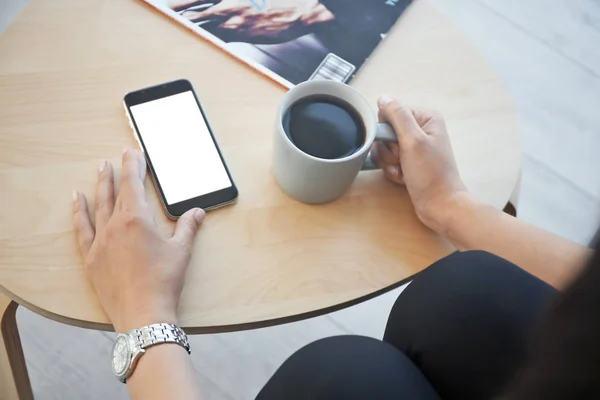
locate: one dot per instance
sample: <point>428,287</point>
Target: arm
<point>137,274</point>
<point>164,372</point>
<point>470,224</point>
<point>423,161</point>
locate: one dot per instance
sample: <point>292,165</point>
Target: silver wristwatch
<point>129,347</point>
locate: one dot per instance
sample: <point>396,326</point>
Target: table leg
<point>14,379</point>
<point>513,202</point>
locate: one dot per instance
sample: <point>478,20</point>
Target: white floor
<point>547,53</point>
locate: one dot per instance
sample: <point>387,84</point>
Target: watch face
<point>121,355</point>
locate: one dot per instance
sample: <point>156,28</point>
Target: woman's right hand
<point>422,160</point>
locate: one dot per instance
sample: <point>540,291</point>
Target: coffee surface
<point>324,126</point>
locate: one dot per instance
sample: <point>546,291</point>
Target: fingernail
<point>125,150</point>
<point>75,195</point>
<point>199,215</point>
<point>384,100</point>
<point>393,170</point>
<point>102,166</point>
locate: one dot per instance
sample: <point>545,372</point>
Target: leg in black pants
<point>348,367</point>
<point>458,331</point>
<point>465,323</point>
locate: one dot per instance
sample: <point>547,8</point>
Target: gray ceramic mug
<point>316,180</point>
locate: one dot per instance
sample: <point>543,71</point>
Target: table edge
<point>200,330</point>
<point>287,318</point>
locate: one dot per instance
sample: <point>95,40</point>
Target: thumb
<point>187,226</point>
<point>401,118</point>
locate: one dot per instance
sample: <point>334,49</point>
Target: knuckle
<point>436,115</point>
<point>132,218</point>
<point>415,143</point>
<point>128,175</point>
<point>80,229</point>
<point>77,224</point>
<point>84,236</point>
<point>102,241</point>
<point>111,233</point>
<point>99,203</point>
<point>394,107</point>
<point>391,177</point>
<point>190,224</point>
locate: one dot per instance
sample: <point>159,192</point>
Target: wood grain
<point>61,371</point>
<point>64,67</point>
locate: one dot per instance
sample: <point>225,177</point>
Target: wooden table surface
<point>64,68</point>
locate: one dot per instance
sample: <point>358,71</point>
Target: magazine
<point>291,41</point>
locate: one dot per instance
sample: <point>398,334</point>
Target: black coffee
<point>324,127</point>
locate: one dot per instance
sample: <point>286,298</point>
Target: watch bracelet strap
<point>160,333</point>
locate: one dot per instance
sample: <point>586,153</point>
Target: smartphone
<point>182,154</point>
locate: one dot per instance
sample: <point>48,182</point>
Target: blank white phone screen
<point>180,147</point>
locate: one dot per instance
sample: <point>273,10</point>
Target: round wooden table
<point>64,68</point>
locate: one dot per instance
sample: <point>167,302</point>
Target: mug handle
<point>383,133</point>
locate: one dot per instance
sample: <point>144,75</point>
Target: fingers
<point>385,153</point>
<point>105,195</point>
<point>82,222</point>
<point>401,118</point>
<point>133,171</point>
<point>388,160</point>
<point>431,121</point>
<point>187,226</point>
<point>393,172</point>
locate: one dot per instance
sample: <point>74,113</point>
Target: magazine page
<point>291,41</point>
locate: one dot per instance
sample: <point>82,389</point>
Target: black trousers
<point>458,331</point>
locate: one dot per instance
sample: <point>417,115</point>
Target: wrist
<point>143,315</point>
<point>448,211</point>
